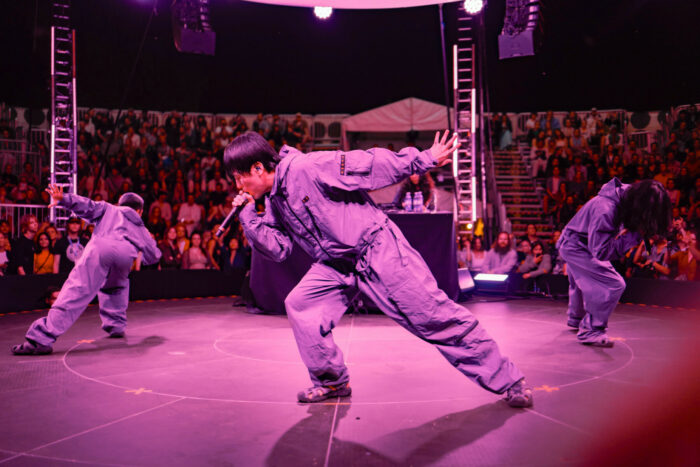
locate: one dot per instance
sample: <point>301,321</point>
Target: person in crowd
<point>171,256</point>
<point>462,251</point>
<point>102,270</point>
<point>531,234</point>
<point>536,263</point>
<point>181,240</point>
<point>686,259</point>
<point>502,257</point>
<point>413,184</point>
<point>214,246</point>
<point>476,255</point>
<point>190,214</point>
<point>69,248</point>
<point>653,264</point>
<point>673,193</point>
<point>522,250</point>
<point>23,247</point>
<point>194,257</point>
<point>43,257</point>
<point>166,210</point>
<point>3,254</point>
<point>156,224</point>
<point>354,242</point>
<point>234,256</point>
<point>604,229</point>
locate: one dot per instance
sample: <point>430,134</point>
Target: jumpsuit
<point>319,200</point>
<point>102,270</point>
<point>589,241</point>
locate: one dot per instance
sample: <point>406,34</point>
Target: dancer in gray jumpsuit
<point>102,270</point>
<point>319,200</point>
<point>602,230</point>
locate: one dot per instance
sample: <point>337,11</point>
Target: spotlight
<point>473,6</point>
<point>323,12</point>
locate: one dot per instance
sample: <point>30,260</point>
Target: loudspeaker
<point>195,42</point>
<point>516,45</point>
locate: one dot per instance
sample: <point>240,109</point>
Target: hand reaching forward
<point>56,193</point>
<point>443,148</point>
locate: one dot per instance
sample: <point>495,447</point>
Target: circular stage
<point>199,382</point>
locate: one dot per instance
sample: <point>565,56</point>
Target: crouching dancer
<point>102,269</point>
<point>602,230</point>
<point>320,201</point>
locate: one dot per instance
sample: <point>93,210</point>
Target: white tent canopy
<point>353,4</point>
<point>400,116</point>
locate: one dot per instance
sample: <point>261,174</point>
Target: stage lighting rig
<point>192,29</point>
<point>473,6</point>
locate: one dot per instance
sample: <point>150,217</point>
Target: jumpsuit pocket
<point>312,218</point>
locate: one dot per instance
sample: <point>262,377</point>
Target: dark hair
<point>538,244</point>
<point>38,237</point>
<point>246,150</point>
<point>646,208</point>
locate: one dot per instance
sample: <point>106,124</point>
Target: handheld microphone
<point>231,216</point>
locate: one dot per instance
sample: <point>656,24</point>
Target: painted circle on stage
<point>212,358</point>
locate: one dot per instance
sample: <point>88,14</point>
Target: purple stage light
<point>473,6</point>
<point>323,12</point>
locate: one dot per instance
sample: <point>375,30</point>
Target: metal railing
<point>12,213</point>
<point>17,153</point>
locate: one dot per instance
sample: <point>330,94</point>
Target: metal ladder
<point>464,98</point>
<point>63,107</point>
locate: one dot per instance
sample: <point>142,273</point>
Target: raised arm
<point>85,208</point>
<point>377,167</point>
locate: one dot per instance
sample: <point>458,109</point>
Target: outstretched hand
<point>443,148</point>
<point>56,193</point>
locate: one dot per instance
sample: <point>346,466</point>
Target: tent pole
<point>444,68</point>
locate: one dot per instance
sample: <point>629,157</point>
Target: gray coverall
<point>103,269</point>
<point>320,201</point>
<point>589,241</point>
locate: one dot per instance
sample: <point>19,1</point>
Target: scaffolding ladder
<point>63,107</point>
<point>464,98</point>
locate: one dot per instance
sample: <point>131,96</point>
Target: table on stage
<point>432,234</point>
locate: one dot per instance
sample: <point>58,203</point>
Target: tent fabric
<point>353,4</point>
<point>404,115</point>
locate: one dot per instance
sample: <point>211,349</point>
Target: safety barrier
<point>13,213</point>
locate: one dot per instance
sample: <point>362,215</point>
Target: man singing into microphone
<point>320,201</point>
<point>102,269</point>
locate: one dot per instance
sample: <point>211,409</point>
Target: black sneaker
<point>321,393</point>
<point>116,334</point>
<point>519,395</point>
<point>27,348</point>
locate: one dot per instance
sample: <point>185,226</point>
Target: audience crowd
<point>177,168</point>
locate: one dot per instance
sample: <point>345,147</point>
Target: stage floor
<point>197,382</point>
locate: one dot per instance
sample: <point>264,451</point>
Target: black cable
<point>124,95</point>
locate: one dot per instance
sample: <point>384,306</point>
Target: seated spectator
<point>166,211</point>
<point>530,234</point>
<point>476,255</point>
<point>21,259</point>
<point>172,257</point>
<point>536,263</point>
<point>181,240</point>
<point>523,249</point>
<point>673,193</point>
<point>555,192</point>
<point>567,211</point>
<point>194,257</point>
<point>664,174</point>
<point>686,259</point>
<point>501,258</point>
<point>462,251</point>
<point>577,187</point>
<point>3,254</point>
<point>234,257</point>
<point>43,258</point>
<point>69,248</point>
<point>190,214</point>
<point>156,224</point>
<point>538,157</point>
